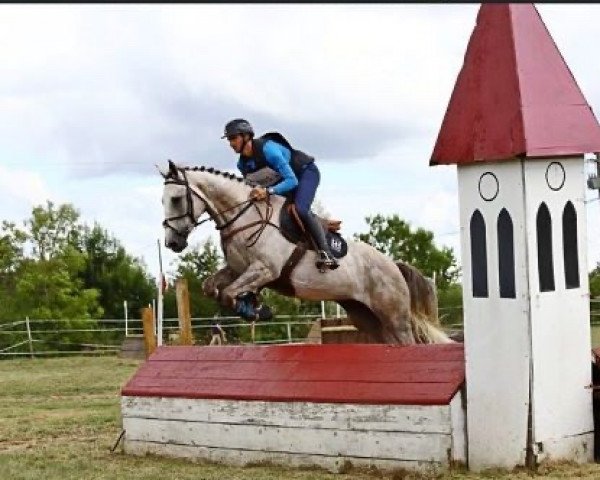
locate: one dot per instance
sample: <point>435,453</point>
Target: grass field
<point>59,419</point>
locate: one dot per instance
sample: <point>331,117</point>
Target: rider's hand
<point>258,193</point>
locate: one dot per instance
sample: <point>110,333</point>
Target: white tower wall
<point>563,423</point>
<point>533,346</point>
<point>496,329</point>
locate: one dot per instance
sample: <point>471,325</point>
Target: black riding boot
<point>324,257</point>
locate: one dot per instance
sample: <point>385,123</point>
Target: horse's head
<point>182,207</point>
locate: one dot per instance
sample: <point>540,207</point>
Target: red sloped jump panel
<point>368,374</point>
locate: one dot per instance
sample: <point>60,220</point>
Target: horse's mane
<point>214,171</point>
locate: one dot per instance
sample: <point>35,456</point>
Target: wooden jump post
<point>149,335</point>
<point>183,312</point>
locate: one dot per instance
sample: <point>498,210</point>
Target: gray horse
<point>392,303</point>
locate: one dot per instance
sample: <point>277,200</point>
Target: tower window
<point>506,255</point>
<point>478,255</point>
<point>544,249</point>
<point>570,252</point>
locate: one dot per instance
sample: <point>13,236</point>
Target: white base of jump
<point>578,449</point>
<point>299,434</point>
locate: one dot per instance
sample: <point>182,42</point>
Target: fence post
<point>183,312</point>
<point>29,336</point>
<point>289,332</point>
<point>125,310</point>
<point>149,335</point>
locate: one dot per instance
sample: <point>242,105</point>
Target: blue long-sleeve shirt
<point>278,158</point>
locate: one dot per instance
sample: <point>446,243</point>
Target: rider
<point>298,176</point>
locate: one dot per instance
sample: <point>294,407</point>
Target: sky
<point>93,97</point>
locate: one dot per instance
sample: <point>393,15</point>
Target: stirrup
<point>325,261</point>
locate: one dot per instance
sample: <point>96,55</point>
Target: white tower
<point>517,127</point>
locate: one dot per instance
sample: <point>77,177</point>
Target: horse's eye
<point>177,200</point>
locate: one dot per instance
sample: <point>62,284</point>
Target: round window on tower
<point>555,176</point>
<point>488,186</point>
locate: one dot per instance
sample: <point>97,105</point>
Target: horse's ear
<point>172,168</point>
<point>163,173</point>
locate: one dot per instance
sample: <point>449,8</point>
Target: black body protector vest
<point>256,169</point>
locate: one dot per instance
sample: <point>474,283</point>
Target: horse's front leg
<point>214,284</point>
<point>254,277</point>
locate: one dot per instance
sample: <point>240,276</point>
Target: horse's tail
<point>423,306</point>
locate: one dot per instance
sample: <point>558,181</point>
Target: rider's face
<point>235,142</point>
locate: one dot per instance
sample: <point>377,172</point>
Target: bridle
<point>218,217</point>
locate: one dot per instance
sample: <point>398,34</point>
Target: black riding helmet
<point>238,126</point>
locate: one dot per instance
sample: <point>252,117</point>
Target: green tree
<point>12,242</point>
<point>46,285</point>
<point>115,274</point>
<point>48,289</point>
<point>49,283</point>
<point>11,247</point>
<point>51,229</point>
<point>394,237</point>
<point>450,304</point>
<point>594,277</point>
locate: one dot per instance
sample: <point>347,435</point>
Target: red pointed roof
<point>515,95</point>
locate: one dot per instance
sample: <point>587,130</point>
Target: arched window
<point>506,255</point>
<point>544,249</point>
<point>570,253</point>
<point>478,255</point>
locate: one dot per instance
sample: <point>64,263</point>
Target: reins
<point>264,221</point>
<point>216,215</point>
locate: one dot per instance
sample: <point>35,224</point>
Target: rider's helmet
<point>238,126</point>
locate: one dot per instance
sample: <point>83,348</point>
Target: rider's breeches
<point>306,189</point>
<point>305,194</point>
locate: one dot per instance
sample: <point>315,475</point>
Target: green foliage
<point>52,229</point>
<point>115,274</point>
<point>65,274</point>
<point>11,257</point>
<point>394,237</point>
<point>450,305</point>
<point>594,278</point>
<point>11,248</point>
<point>49,289</point>
<point>46,285</point>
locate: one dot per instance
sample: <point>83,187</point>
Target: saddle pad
<point>337,245</point>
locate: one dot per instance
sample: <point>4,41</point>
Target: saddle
<point>294,231</point>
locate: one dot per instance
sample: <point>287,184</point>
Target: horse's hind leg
<point>395,319</point>
<point>379,325</point>
<point>364,320</point>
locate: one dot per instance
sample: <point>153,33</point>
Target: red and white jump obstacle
<point>302,405</point>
